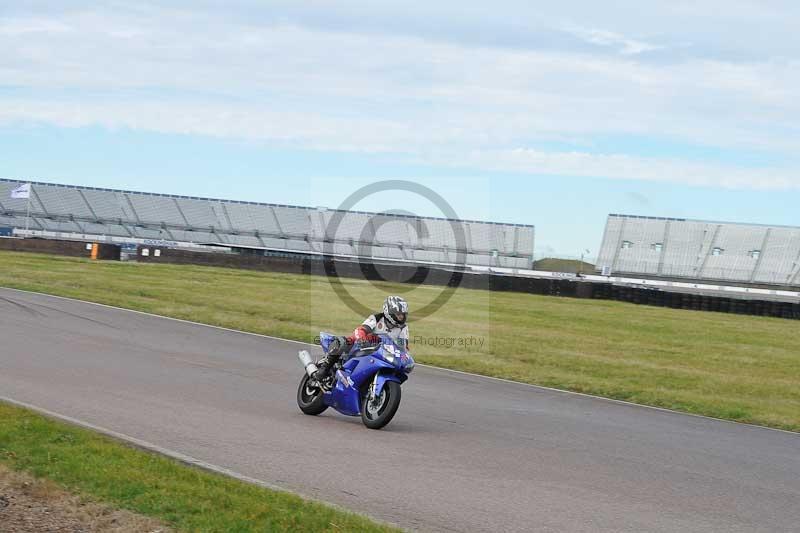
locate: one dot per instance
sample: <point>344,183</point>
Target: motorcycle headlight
<point>389,353</point>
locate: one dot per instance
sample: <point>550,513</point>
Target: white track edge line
<point>183,458</point>
<point>503,380</point>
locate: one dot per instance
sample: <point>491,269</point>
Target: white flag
<point>23,191</point>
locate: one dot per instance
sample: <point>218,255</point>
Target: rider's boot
<point>324,366</point>
<point>335,351</point>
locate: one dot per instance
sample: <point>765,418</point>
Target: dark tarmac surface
<point>464,453</point>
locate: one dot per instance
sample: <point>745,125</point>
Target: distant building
<point>66,211</point>
<point>700,250</point>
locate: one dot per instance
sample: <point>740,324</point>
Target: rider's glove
<point>364,338</point>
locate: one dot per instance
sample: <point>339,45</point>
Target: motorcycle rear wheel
<point>377,414</point>
<point>309,399</point>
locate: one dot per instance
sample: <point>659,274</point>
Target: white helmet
<point>395,311</point>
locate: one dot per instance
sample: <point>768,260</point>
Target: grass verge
<point>571,266</point>
<point>741,368</point>
<point>185,498</point>
<point>30,505</point>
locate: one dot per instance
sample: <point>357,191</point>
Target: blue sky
<point>553,115</point>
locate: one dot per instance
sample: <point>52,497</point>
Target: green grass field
<point>740,368</point>
<point>186,498</point>
<point>572,266</point>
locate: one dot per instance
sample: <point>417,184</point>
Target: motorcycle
<point>364,382</point>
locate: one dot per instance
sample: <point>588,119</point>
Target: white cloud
<point>310,130</point>
<point>440,99</point>
<point>617,166</point>
<point>626,45</point>
<point>20,27</point>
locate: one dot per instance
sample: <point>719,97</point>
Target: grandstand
<point>700,250</point>
<point>67,211</point>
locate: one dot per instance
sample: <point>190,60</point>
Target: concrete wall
<point>56,247</point>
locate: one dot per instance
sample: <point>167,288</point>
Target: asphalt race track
<point>464,453</point>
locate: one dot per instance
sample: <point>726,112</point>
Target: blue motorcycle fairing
<point>350,380</point>
<point>344,397</point>
<point>362,369</point>
<point>357,372</point>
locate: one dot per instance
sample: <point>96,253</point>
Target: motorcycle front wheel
<point>309,399</point>
<point>378,412</point>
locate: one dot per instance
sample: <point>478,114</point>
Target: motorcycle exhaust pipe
<point>308,363</point>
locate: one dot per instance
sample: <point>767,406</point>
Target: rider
<point>391,321</point>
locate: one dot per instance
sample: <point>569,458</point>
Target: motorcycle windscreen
<point>325,340</point>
